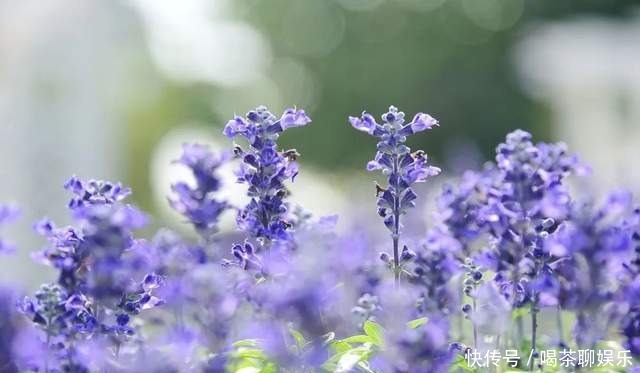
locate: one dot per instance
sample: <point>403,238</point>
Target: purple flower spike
<point>265,170</point>
<point>402,167</point>
<point>94,192</point>
<point>198,203</point>
<point>8,214</point>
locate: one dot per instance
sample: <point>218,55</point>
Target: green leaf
<point>246,343</point>
<point>519,313</point>
<point>248,370</point>
<point>415,324</point>
<point>301,342</point>
<point>340,346</point>
<point>375,331</point>
<point>352,357</point>
<point>361,338</point>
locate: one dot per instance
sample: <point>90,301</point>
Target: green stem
<point>396,223</point>
<point>560,324</point>
<point>520,326</point>
<point>475,328</point>
<point>534,329</point>
<point>46,356</point>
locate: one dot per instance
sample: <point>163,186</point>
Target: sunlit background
<point>111,89</point>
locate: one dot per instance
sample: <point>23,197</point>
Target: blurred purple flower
<point>422,350</point>
<point>198,204</point>
<point>8,214</point>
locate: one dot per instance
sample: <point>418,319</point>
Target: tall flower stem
<point>560,324</point>
<point>395,235</point>
<point>402,167</point>
<point>520,328</point>
<point>48,347</point>
<point>534,329</point>
<point>475,328</point>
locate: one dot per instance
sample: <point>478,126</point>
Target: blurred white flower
<point>195,41</point>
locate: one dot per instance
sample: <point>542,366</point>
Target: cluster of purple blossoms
<point>629,298</point>
<point>198,203</point>
<point>505,239</point>
<point>94,192</point>
<point>432,269</point>
<point>594,245</point>
<point>402,168</point>
<point>529,202</point>
<point>97,291</point>
<point>8,214</point>
<point>264,170</point>
<point>424,350</point>
<point>9,327</point>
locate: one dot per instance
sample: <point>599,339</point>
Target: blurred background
<point>111,89</point>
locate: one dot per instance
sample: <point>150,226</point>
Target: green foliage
<point>300,340</point>
<point>248,357</point>
<point>353,353</point>
<point>375,332</point>
<point>415,324</point>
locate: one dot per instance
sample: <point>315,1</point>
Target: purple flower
<point>432,271</point>
<point>594,245</point>
<point>107,236</point>
<point>8,214</point>
<point>630,328</point>
<point>422,350</point>
<point>94,192</point>
<point>9,328</point>
<point>525,204</point>
<point>97,269</point>
<point>394,159</point>
<point>462,208</point>
<point>245,257</point>
<point>265,169</point>
<point>59,314</point>
<point>294,118</point>
<point>198,204</point>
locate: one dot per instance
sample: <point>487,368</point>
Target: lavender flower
<point>631,330</point>
<point>265,169</point>
<point>401,167</point>
<point>8,214</point>
<point>107,235</point>
<point>198,203</point>
<point>289,308</point>
<point>522,212</point>
<point>96,291</point>
<point>9,328</point>
<point>593,245</point>
<point>462,208</point>
<point>67,251</point>
<point>94,192</point>
<point>422,350</point>
<point>628,299</point>
<point>432,271</point>
<point>62,318</point>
